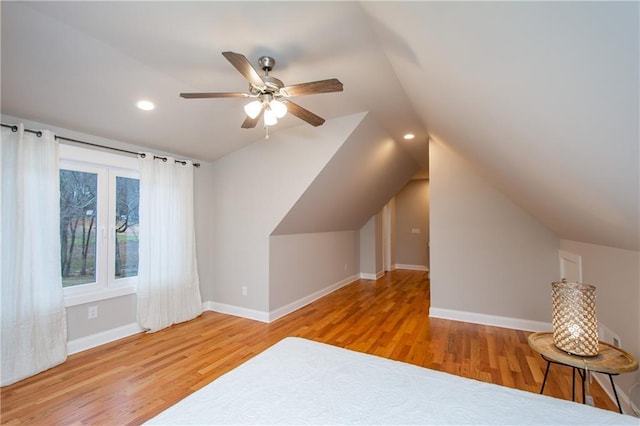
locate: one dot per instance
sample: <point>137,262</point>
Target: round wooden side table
<point>610,360</point>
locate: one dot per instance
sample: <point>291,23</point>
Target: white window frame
<point>108,166</point>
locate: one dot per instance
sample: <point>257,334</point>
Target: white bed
<point>299,381</point>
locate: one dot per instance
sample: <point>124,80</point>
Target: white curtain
<point>168,283</point>
<point>34,323</point>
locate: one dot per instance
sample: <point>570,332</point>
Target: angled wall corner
<point>251,191</point>
<point>361,177</point>
<point>317,246</point>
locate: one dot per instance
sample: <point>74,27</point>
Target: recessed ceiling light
<point>145,105</point>
<point>409,136</point>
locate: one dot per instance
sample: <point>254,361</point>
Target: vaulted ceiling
<point>542,97</point>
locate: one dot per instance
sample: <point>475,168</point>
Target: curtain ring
<point>14,129</point>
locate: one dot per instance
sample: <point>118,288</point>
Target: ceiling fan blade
<point>250,123</point>
<point>214,95</point>
<point>303,113</point>
<point>322,86</point>
<point>243,65</point>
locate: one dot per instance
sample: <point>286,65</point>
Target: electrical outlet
<point>607,335</point>
<point>244,290</point>
<point>92,312</point>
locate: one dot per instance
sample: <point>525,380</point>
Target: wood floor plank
<point>133,379</point>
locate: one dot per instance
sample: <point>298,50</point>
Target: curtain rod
<point>38,133</point>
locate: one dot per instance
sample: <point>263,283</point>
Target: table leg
<point>546,373</point>
<point>584,378</point>
<point>613,386</point>
<point>573,383</point>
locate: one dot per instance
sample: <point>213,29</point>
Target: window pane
<point>78,221</point>
<point>126,256</point>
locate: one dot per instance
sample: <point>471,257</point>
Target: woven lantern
<point>575,326</point>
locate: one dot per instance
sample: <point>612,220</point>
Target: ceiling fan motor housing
<point>272,85</point>
<point>266,63</point>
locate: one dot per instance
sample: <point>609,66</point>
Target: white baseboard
<point>88,342</point>
<point>367,276</point>
<point>294,306</point>
<point>410,267</point>
<point>493,320</point>
<point>236,311</point>
<point>271,316</point>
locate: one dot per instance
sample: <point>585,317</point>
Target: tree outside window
<point>82,221</point>
<point>126,228</point>
<point>78,215</point>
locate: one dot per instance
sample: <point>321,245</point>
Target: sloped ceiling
<point>541,96</point>
<point>361,177</point>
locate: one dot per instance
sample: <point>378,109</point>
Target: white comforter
<point>299,381</point>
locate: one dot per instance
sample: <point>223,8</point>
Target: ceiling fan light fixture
<point>253,108</point>
<point>270,118</point>
<point>279,108</point>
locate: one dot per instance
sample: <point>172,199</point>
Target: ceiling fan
<point>272,96</point>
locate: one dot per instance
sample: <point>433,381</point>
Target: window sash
<point>108,167</point>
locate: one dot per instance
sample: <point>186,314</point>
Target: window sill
<point>96,295</point>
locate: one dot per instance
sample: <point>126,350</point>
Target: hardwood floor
<point>133,379</point>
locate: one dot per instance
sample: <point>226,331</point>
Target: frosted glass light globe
<point>279,108</point>
<point>253,108</point>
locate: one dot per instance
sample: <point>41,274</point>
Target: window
<point>99,195</point>
<point>126,227</point>
<point>78,195</point>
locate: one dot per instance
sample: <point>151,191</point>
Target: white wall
<point>616,275</point>
<point>252,189</point>
<point>412,213</point>
<point>113,313</point>
<point>370,237</point>
<point>488,256</point>
<point>303,267</point>
<point>379,267</point>
<point>392,213</point>
<point>203,206</point>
